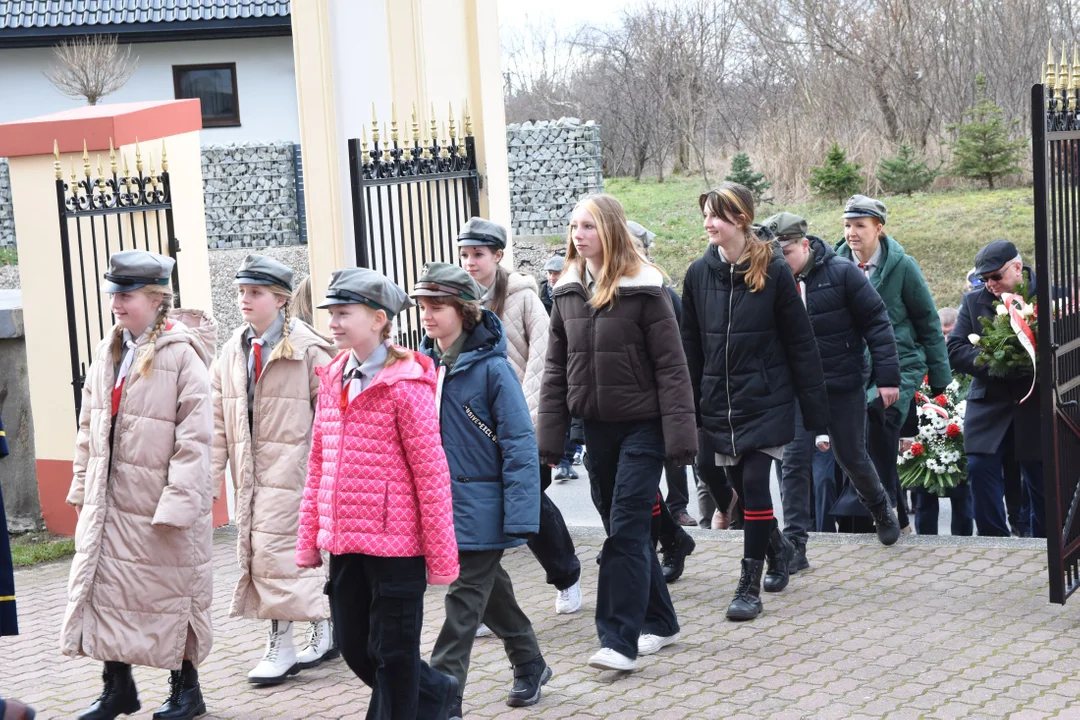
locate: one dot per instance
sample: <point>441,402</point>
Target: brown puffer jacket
<point>141,582</point>
<point>621,364</point>
<point>269,468</point>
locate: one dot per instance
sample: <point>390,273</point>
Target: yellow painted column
<point>312,57</point>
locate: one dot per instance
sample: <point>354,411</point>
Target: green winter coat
<point>919,340</point>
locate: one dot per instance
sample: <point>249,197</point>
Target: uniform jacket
<point>917,330</point>
<point>751,354</point>
<point>992,403</point>
<point>269,467</point>
<point>377,479</point>
<point>624,363</point>
<point>141,582</point>
<point>848,316</point>
<point>490,443</point>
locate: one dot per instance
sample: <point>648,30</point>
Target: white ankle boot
<point>279,661</point>
<point>320,646</point>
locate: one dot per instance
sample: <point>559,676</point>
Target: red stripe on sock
<point>757,514</point>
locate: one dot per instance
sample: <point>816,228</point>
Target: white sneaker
<point>279,661</point>
<point>608,659</point>
<point>569,600</point>
<point>651,644</point>
<point>320,646</point>
<point>483,631</point>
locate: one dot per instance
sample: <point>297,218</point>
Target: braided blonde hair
<point>284,349</point>
<point>146,362</point>
<point>393,352</point>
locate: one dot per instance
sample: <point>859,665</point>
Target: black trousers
<point>883,444</point>
<point>552,544</point>
<point>377,606</point>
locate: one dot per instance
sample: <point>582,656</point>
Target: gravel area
<point>9,277</point>
<point>223,265</point>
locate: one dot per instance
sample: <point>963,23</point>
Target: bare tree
<point>91,67</point>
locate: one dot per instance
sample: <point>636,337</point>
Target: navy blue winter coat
<point>490,443</point>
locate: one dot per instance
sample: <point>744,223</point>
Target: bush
<point>836,178</point>
<point>903,173</point>
<point>742,173</point>
<point>982,149</point>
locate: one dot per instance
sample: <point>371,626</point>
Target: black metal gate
<point>99,216</point>
<point>409,204</point>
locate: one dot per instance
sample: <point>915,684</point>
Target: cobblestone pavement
<point>940,628</point>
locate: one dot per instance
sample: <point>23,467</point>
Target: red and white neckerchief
<point>121,375</point>
<point>802,289</point>
<point>255,361</point>
<point>867,268</point>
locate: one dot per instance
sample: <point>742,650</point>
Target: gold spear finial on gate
<point>415,125</point>
<point>386,146</point>
<point>393,122</point>
<point>85,160</point>
<point>56,160</point>
<point>112,157</point>
<point>468,120</point>
<point>1063,70</point>
<point>100,182</point>
<point>138,157</point>
<point>453,130</point>
<point>365,156</point>
<point>1050,74</point>
<point>127,174</point>
<point>444,153</point>
<point>153,173</point>
<point>74,178</point>
<point>374,125</point>
<point>164,158</point>
<point>434,127</point>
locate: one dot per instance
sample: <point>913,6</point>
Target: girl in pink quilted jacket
<point>377,499</point>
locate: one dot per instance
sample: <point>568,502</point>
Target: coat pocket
<point>635,367</point>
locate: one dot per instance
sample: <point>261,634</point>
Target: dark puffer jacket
<point>848,315</point>
<point>621,364</point>
<point>750,354</point>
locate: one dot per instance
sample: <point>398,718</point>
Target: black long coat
<point>992,403</point>
<point>8,621</point>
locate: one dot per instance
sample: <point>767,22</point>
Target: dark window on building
<point>214,86</point>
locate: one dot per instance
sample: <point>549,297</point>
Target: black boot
<point>528,677</point>
<point>778,556</point>
<point>185,701</point>
<point>888,527</point>
<point>746,605</point>
<point>798,560</point>
<point>675,553</point>
<point>119,696</point>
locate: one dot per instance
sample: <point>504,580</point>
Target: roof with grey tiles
<point>44,22</point>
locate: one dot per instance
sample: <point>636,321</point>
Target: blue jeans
<point>986,473</point>
<point>624,463</point>
<point>963,512</point>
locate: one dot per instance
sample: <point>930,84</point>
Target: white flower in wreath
<point>974,338</point>
<point>954,469</point>
<point>1001,309</point>
<point>926,432</point>
<point>961,410</point>
<point>953,386</point>
<point>1028,311</point>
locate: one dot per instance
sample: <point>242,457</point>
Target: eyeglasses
<point>992,277</point>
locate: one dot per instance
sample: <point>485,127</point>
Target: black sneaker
<point>675,556</point>
<point>886,524</point>
<point>798,560</point>
<point>528,679</point>
<point>455,711</point>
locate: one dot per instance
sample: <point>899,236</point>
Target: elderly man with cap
<point>553,269</point>
<point>919,342</point>
<point>849,318</point>
<point>997,420</point>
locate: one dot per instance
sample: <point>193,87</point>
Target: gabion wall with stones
<point>7,216</point>
<point>250,195</point>
<point>552,164</point>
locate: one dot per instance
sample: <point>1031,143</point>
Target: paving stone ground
<point>937,628</point>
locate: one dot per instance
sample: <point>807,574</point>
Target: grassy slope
<point>942,230</point>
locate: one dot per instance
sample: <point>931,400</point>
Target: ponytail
<point>393,352</point>
<point>759,253</point>
<point>499,291</point>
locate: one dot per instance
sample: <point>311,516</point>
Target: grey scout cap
<point>366,287</point>
<point>261,270</point>
<point>642,233</point>
<point>132,269</point>
<point>994,256</point>
<point>479,231</point>
<point>445,280</point>
<point>788,227</point>
<point>862,206</point>
<point>555,264</point>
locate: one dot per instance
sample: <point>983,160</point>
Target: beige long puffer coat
<point>525,321</point>
<point>269,467</point>
<point>141,583</point>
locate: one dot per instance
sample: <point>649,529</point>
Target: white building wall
<point>265,81</point>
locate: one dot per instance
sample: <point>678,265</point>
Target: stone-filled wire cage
<point>7,217</point>
<point>251,195</point>
<point>552,163</point>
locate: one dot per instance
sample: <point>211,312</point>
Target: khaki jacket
<point>141,582</point>
<point>269,467</point>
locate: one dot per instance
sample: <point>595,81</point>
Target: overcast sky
<point>566,13</point>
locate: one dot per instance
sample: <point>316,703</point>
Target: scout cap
<point>445,280</point>
<point>261,270</point>
<point>788,227</point>
<point>862,206</point>
<point>994,256</point>
<point>131,269</point>
<point>366,287</point>
<point>763,233</point>
<point>555,264</point>
<point>642,233</point>
<point>479,231</point>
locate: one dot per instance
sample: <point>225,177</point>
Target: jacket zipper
<point>592,352</point>
<point>337,467</point>
<point>727,360</point>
